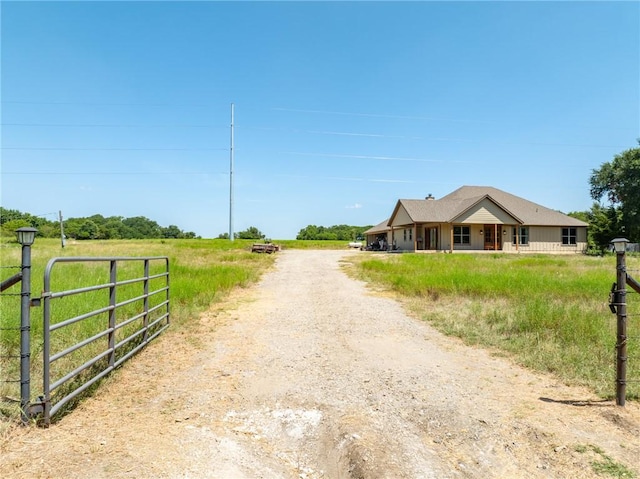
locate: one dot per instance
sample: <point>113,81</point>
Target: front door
<point>492,237</point>
<point>431,238</point>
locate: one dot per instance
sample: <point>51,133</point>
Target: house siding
<point>486,212</point>
<point>541,239</point>
<point>401,218</point>
<point>476,238</point>
<point>399,235</point>
<point>548,239</point>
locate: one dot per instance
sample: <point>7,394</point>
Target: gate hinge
<point>36,408</point>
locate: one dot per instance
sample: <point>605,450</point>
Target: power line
<point>110,149</point>
<point>381,115</point>
<point>368,135</point>
<point>420,138</point>
<point>89,103</point>
<point>326,132</point>
<point>370,157</point>
<point>107,125</point>
<point>347,178</point>
<point>82,173</point>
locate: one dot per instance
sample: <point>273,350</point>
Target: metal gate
<point>98,312</point>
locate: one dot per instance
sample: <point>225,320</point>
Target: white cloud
<point>354,206</point>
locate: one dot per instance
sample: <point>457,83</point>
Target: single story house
<point>480,218</point>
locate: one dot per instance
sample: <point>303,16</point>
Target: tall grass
<point>548,312</point>
<point>202,272</point>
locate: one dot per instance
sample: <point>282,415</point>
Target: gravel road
<point>309,374</point>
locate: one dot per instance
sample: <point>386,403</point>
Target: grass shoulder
<point>548,312</point>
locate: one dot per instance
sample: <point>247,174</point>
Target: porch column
<point>451,241</point>
<point>495,237</point>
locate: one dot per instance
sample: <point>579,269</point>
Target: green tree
<point>88,230</point>
<point>250,233</point>
<point>49,229</point>
<point>72,227</point>
<point>308,233</point>
<point>336,232</point>
<point>9,215</point>
<point>92,227</point>
<point>113,228</point>
<point>604,225</point>
<point>142,228</point>
<point>9,228</point>
<point>172,231</point>
<point>619,182</point>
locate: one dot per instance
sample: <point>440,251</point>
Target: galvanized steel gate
<point>89,330</point>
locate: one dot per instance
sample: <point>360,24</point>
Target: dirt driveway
<point>311,375</point>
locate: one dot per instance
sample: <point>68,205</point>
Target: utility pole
<point>231,181</point>
<point>62,239</point>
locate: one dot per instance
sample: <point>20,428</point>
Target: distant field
<point>549,313</point>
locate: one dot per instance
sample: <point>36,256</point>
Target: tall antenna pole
<point>231,181</point>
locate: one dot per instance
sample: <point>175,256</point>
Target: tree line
<point>336,232</point>
<point>250,233</point>
<point>95,227</point>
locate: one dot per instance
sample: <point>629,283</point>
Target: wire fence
<point>10,327</point>
<point>633,337</point>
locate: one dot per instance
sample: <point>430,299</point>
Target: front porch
<point>448,237</point>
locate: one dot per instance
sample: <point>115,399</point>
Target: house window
<point>569,236</point>
<point>405,234</point>
<point>410,234</point>
<point>523,233</point>
<point>461,235</point>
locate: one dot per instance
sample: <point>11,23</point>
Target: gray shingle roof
<point>447,208</point>
<point>379,228</point>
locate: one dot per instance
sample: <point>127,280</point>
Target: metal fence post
<point>620,245</point>
<point>113,279</point>
<point>145,290</point>
<point>26,237</point>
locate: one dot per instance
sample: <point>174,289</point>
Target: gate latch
<point>613,298</point>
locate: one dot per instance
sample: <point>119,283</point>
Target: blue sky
<point>341,108</point>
